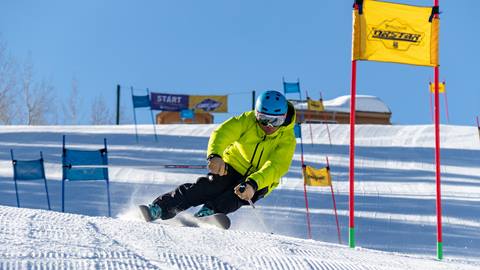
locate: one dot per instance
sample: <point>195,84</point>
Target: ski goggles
<point>270,120</point>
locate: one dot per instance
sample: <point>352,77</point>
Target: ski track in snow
<point>39,239</point>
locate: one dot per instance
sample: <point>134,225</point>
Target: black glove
<point>245,190</point>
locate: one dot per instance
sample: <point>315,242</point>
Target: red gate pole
<point>446,102</point>
<point>437,167</point>
<point>437,159</point>
<point>334,206</point>
<point>351,223</point>
<point>309,124</point>
<point>326,123</point>
<point>431,110</point>
<point>309,229</point>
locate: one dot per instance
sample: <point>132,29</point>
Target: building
<point>174,118</point>
<point>369,110</point>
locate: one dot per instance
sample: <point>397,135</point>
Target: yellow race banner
<point>208,103</point>
<point>315,105</point>
<point>398,33</point>
<point>317,177</point>
<point>441,87</point>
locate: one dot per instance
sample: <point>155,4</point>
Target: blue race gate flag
<point>289,87</point>
<point>298,130</point>
<point>141,101</point>
<point>85,165</point>
<point>28,170</point>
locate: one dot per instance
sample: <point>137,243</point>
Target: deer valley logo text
<point>395,34</point>
<point>316,177</point>
<point>208,105</point>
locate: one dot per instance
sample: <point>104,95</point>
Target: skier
<point>246,155</point>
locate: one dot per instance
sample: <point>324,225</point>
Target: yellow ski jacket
<point>243,145</point>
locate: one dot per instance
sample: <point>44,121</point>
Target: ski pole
<point>242,188</point>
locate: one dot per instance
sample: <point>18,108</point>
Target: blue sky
<point>233,47</point>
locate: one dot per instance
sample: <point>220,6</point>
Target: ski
<point>145,212</point>
<point>218,220</point>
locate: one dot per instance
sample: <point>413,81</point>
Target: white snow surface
<point>363,103</point>
<point>395,221</point>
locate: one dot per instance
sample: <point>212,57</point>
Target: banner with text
<point>390,32</point>
<point>315,105</point>
<point>174,102</point>
<point>168,102</point>
<point>317,177</point>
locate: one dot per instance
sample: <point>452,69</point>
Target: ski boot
<point>204,212</point>
<point>155,211</point>
<point>151,212</point>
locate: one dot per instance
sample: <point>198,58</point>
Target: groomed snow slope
<point>38,239</point>
<point>395,203</point>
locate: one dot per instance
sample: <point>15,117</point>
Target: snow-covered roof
<point>364,103</point>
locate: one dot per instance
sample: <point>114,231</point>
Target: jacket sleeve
<point>277,165</point>
<point>227,133</point>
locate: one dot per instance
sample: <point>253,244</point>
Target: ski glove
<point>216,165</point>
<point>247,193</point>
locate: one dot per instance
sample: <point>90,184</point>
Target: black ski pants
<point>216,192</point>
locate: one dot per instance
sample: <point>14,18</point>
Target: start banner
<point>168,102</point>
